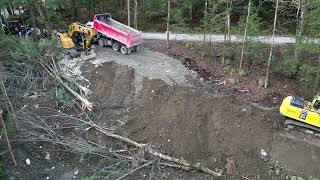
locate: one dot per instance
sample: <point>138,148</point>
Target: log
<point>148,149</point>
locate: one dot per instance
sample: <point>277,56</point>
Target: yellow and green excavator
<point>301,113</point>
<point>77,41</point>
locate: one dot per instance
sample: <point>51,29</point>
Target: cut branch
<point>7,139</point>
<point>148,149</point>
<point>53,72</point>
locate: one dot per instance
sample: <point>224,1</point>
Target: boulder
<point>261,81</point>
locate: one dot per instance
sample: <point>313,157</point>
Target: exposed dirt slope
<point>199,125</point>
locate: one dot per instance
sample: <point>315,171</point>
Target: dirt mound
<point>191,123</point>
<point>200,127</point>
<point>183,122</point>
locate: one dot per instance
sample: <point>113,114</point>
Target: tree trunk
<point>300,22</point>
<point>191,13</point>
<point>272,44</point>
<point>168,26</point>
<point>2,28</point>
<point>228,25</point>
<point>136,14</point>
<point>204,29</point>
<point>128,9</point>
<point>245,36</point>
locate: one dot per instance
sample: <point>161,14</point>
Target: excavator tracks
<point>291,122</point>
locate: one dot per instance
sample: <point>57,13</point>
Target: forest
<point>295,18</point>
<point>170,108</point>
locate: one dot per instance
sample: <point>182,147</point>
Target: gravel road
<point>216,38</point>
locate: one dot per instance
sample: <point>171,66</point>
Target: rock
<point>261,81</point>
<point>232,81</point>
<point>48,157</point>
<point>230,167</point>
<point>242,72</point>
<point>47,177</point>
<point>76,172</point>
<point>28,161</point>
<point>290,126</point>
<point>263,153</point>
<point>309,132</point>
<point>277,171</point>
<point>317,135</point>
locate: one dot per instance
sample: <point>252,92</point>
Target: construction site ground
<point>153,98</point>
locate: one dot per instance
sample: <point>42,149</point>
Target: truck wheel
<point>115,46</point>
<point>101,43</point>
<point>124,50</point>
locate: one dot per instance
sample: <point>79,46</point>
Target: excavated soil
<point>200,125</point>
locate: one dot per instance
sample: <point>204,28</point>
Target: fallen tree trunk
<point>148,149</point>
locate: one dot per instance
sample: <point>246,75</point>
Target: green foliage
<point>63,97</point>
<point>255,25</point>
<point>154,10</point>
<point>10,126</point>
<point>216,17</point>
<point>289,67</point>
<point>308,74</point>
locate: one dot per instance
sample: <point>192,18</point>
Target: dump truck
<point>110,32</point>
<point>301,113</point>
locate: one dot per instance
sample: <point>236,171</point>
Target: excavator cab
<point>301,113</point>
<point>316,103</point>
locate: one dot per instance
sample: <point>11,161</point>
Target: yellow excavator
<point>77,41</point>
<point>301,113</point>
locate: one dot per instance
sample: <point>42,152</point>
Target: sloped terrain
<point>200,124</point>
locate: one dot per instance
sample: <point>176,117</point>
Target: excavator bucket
<point>88,55</point>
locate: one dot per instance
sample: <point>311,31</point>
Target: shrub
<point>289,67</point>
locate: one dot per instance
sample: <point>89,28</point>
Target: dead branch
<point>146,164</point>
<point>8,100</point>
<point>180,162</point>
<point>7,139</point>
<point>153,152</point>
<point>53,72</point>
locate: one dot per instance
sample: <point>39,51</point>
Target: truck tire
<point>115,46</point>
<point>101,42</point>
<point>135,49</point>
<point>124,50</point>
